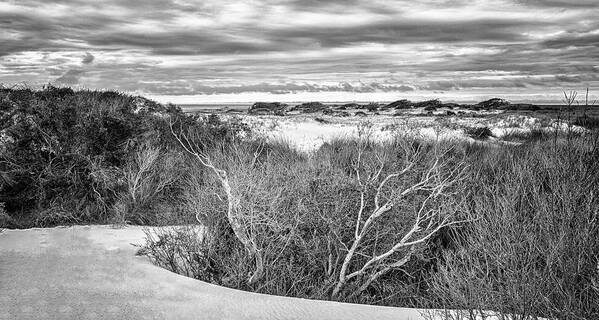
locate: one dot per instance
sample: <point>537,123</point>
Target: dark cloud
<point>88,58</point>
<point>177,42</point>
<point>93,30</point>
<point>289,46</point>
<point>283,88</point>
<point>189,42</point>
<point>39,32</point>
<point>577,78</point>
<point>411,31</point>
<point>560,4</point>
<point>470,84</point>
<point>573,40</point>
<point>558,81</point>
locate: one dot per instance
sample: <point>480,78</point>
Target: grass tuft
<point>479,133</point>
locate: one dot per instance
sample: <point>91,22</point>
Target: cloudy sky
<point>198,51</point>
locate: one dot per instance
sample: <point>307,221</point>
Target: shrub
<point>372,106</point>
<point>5,219</point>
<point>532,135</point>
<point>66,155</point>
<point>590,123</point>
<point>530,248</point>
<point>150,178</point>
<point>321,120</point>
<point>180,250</point>
<point>480,133</point>
<point>428,105</point>
<point>55,139</point>
<point>300,212</point>
<point>533,245</point>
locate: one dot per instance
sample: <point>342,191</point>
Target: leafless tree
<point>234,216</point>
<point>428,221</point>
<point>144,179</point>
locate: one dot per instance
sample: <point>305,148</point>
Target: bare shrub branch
<point>433,181</point>
<point>240,230</point>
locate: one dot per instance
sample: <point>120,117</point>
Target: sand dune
<point>91,272</point>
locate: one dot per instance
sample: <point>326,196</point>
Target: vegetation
<point>535,134</point>
<point>531,248</point>
<point>587,122</point>
<point>526,243</point>
<point>88,156</point>
<point>479,133</point>
<point>509,229</point>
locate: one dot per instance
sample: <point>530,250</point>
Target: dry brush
<point>432,183</point>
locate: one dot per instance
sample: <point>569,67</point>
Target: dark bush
<point>321,120</point>
<point>373,106</point>
<point>480,133</point>
<point>494,103</point>
<point>399,104</point>
<point>64,154</point>
<point>428,105</point>
<point>533,249</point>
<point>349,106</point>
<point>590,123</point>
<point>267,108</point>
<point>310,107</point>
<point>526,136</point>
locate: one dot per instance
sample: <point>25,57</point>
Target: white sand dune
<point>91,272</point>
<point>307,134</point>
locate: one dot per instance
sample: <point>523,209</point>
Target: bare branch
<point>233,216</point>
<point>435,179</point>
<point>360,211</point>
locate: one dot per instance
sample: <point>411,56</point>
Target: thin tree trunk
<point>238,227</point>
<point>233,215</point>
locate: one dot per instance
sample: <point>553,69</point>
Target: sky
<point>217,51</point>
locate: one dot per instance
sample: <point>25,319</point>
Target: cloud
<point>479,83</point>
<point>179,42</point>
<point>186,88</point>
<point>560,4</point>
<point>288,46</point>
<point>573,40</point>
<point>88,58</point>
<point>411,31</point>
<point>71,77</point>
<point>519,82</point>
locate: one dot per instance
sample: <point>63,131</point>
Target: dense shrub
<point>532,135</point>
<point>591,123</point>
<point>5,219</point>
<point>301,213</point>
<point>480,133</point>
<point>530,249</point>
<point>67,156</point>
<point>533,247</point>
<point>428,105</point>
<point>372,106</point>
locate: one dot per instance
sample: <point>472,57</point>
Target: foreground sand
<point>91,272</point>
